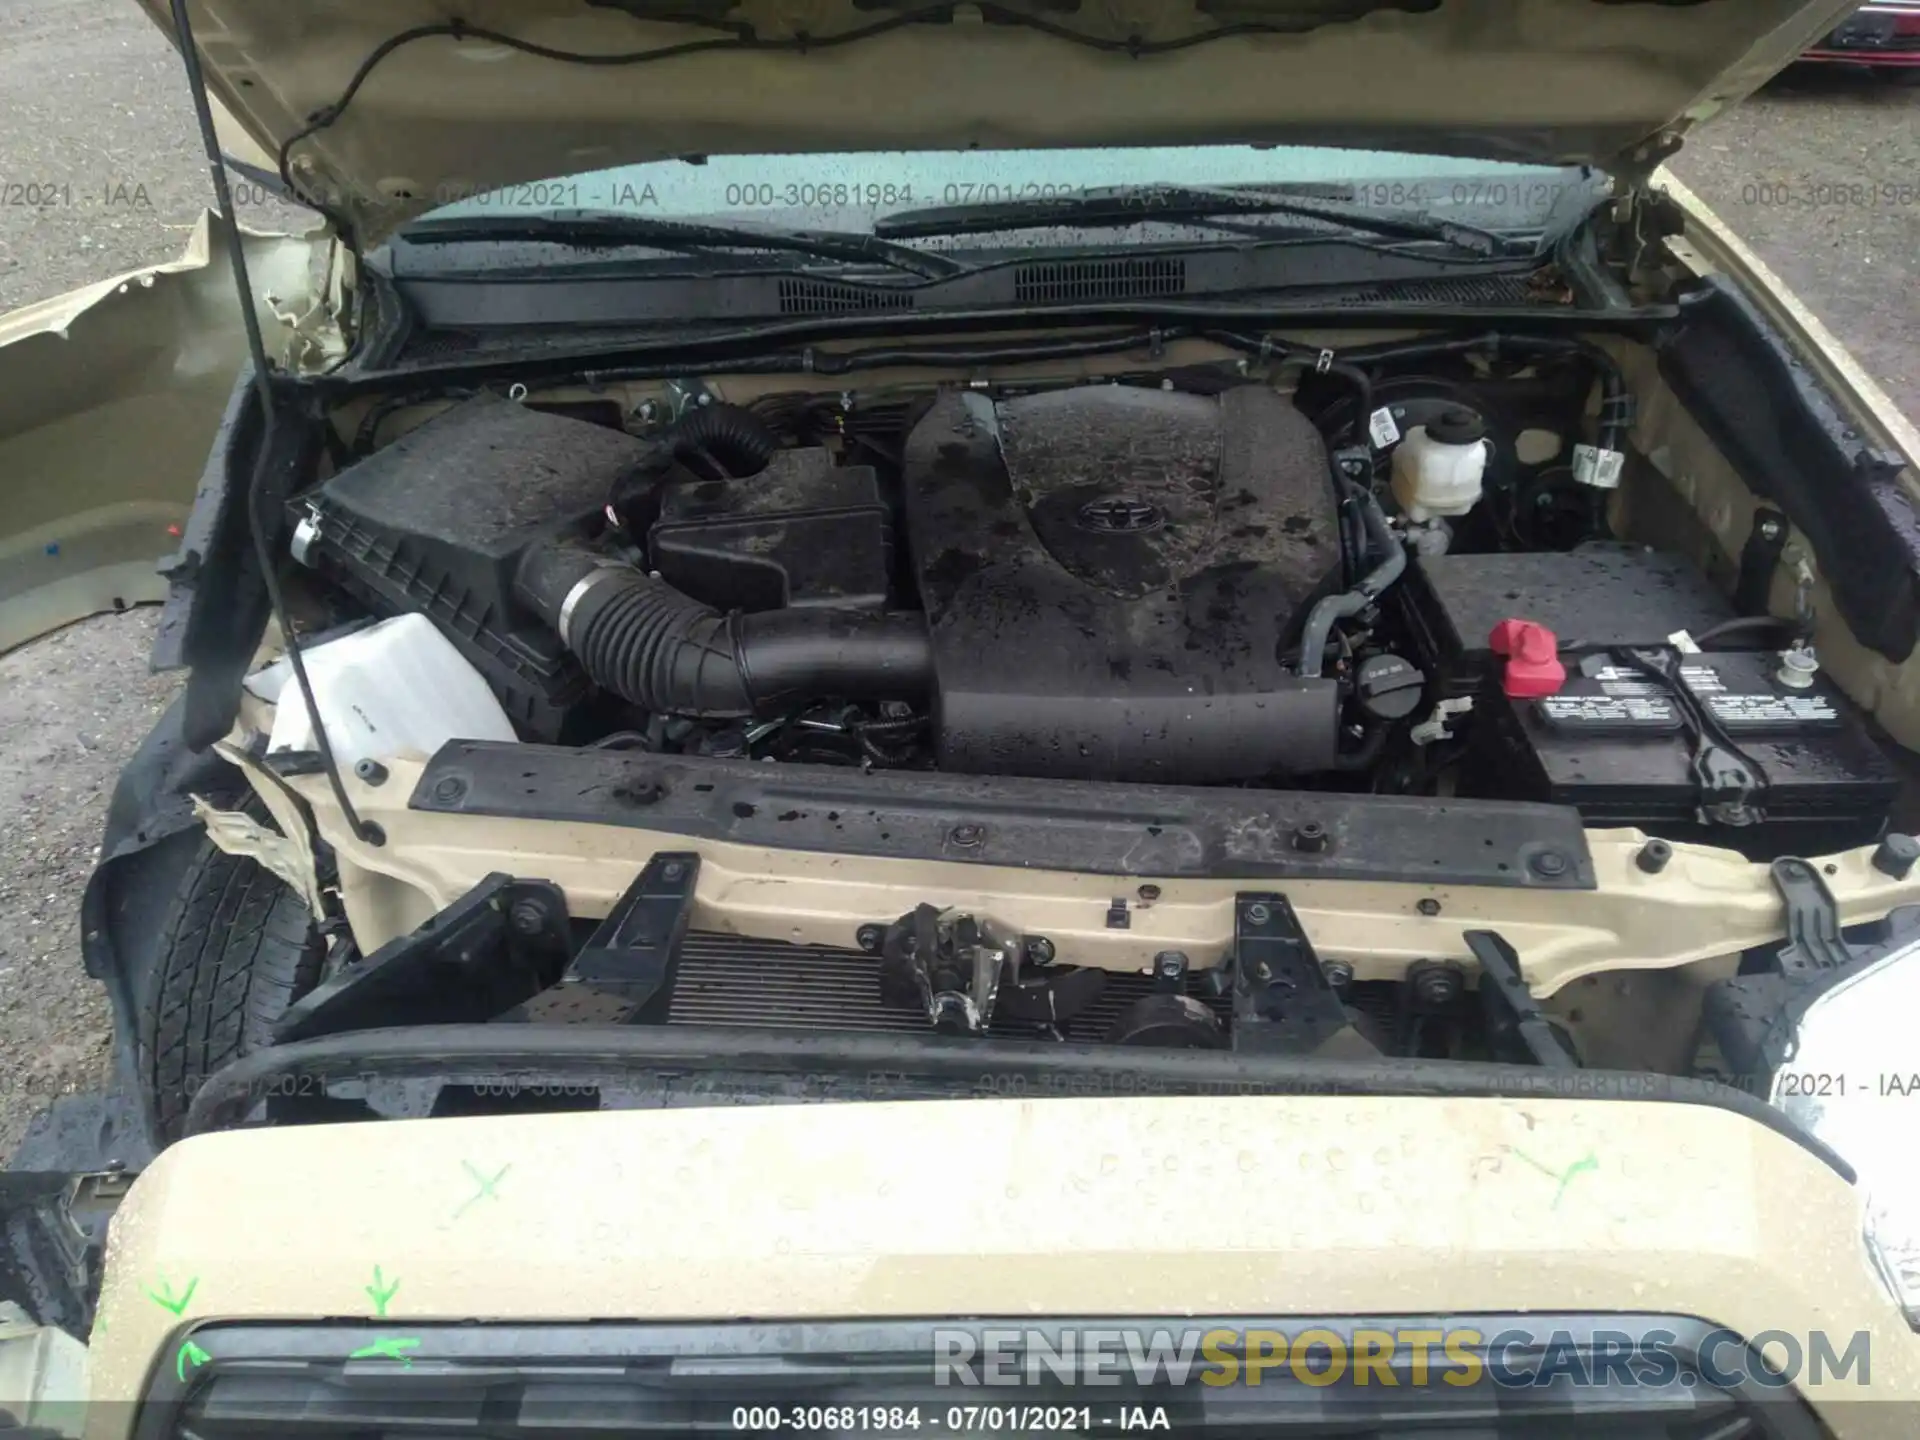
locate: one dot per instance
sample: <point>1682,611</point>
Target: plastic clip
<point>1325,363</point>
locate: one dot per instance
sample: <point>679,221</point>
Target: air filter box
<point>436,523</point>
<point>802,532</point>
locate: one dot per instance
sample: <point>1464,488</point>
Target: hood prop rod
<point>263,388</point>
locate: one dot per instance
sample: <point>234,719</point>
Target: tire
<point>236,949</point>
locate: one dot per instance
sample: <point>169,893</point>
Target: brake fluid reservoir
<point>1438,468</point>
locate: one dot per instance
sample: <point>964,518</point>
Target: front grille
<point>495,1381</point>
<point>727,980</point>
<point>1116,279</point>
<point>824,297</point>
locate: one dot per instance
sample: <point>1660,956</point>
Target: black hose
<point>667,653</point>
<point>1367,754</point>
<point>1327,610</point>
<point>1741,625</point>
<point>722,442</point>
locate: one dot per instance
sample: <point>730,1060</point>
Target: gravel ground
<point>1821,174</point>
<point>72,707</point>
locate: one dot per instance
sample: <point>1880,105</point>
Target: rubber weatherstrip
<point>878,1063</point>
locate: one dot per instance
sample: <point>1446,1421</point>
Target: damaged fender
<point>110,398</point>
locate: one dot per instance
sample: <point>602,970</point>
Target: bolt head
<point>1429,906</point>
<point>1148,894</point>
<point>528,917</point>
<point>449,789</point>
<point>868,938</point>
<point>967,835</point>
<point>1310,838</point>
<point>1548,863</point>
<point>1259,914</point>
<point>1338,972</point>
<point>1896,856</point>
<point>1040,950</point>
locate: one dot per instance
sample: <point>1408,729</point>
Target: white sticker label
<point>1683,642</point>
<point>1772,709</point>
<point>1381,427</point>
<point>1618,680</point>
<point>1596,467</point>
<point>1606,709</point>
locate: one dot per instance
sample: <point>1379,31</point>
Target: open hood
<point>383,109</point>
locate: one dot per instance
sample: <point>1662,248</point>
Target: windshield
<point>851,191</point>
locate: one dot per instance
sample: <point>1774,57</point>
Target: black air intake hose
<point>648,643</point>
<point>722,442</point>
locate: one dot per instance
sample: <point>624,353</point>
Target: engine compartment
<point>1238,632</point>
<point>1391,579</point>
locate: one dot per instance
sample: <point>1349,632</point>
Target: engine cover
<point>1111,575</point>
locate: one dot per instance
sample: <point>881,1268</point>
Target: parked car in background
<point>1885,36</point>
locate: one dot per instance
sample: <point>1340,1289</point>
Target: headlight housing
<point>1852,1080</point>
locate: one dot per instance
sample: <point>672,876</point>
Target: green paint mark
<point>190,1354</point>
<point>1588,1162</point>
<point>167,1300</point>
<point>381,1292</point>
<point>485,1192</point>
<point>388,1347</point>
<point>1566,1177</point>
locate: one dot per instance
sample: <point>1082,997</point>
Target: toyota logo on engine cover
<point>1119,517</point>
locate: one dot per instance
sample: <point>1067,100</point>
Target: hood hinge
<point>319,320</point>
<point>1644,215</point>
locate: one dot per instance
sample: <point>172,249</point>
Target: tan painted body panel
<point>110,397</point>
<point>1707,903</point>
<point>1062,1207</point>
<point>1564,81</point>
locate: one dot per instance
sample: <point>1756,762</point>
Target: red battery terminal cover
<point>1533,659</point>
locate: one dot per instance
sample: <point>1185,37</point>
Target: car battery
<point>1605,593</point>
<point>1630,748</point>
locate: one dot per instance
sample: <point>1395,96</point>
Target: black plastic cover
<point>1111,576</point>
<point>436,523</point>
<point>1096,829</point>
<point>1603,593</point>
<point>801,532</point>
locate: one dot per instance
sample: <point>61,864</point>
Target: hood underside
<point>385,108</point>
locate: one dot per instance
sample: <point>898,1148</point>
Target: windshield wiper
<point>1138,205</point>
<point>613,227</point>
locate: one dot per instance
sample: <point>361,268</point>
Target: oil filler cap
<point>1533,659</point>
<point>1387,687</point>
